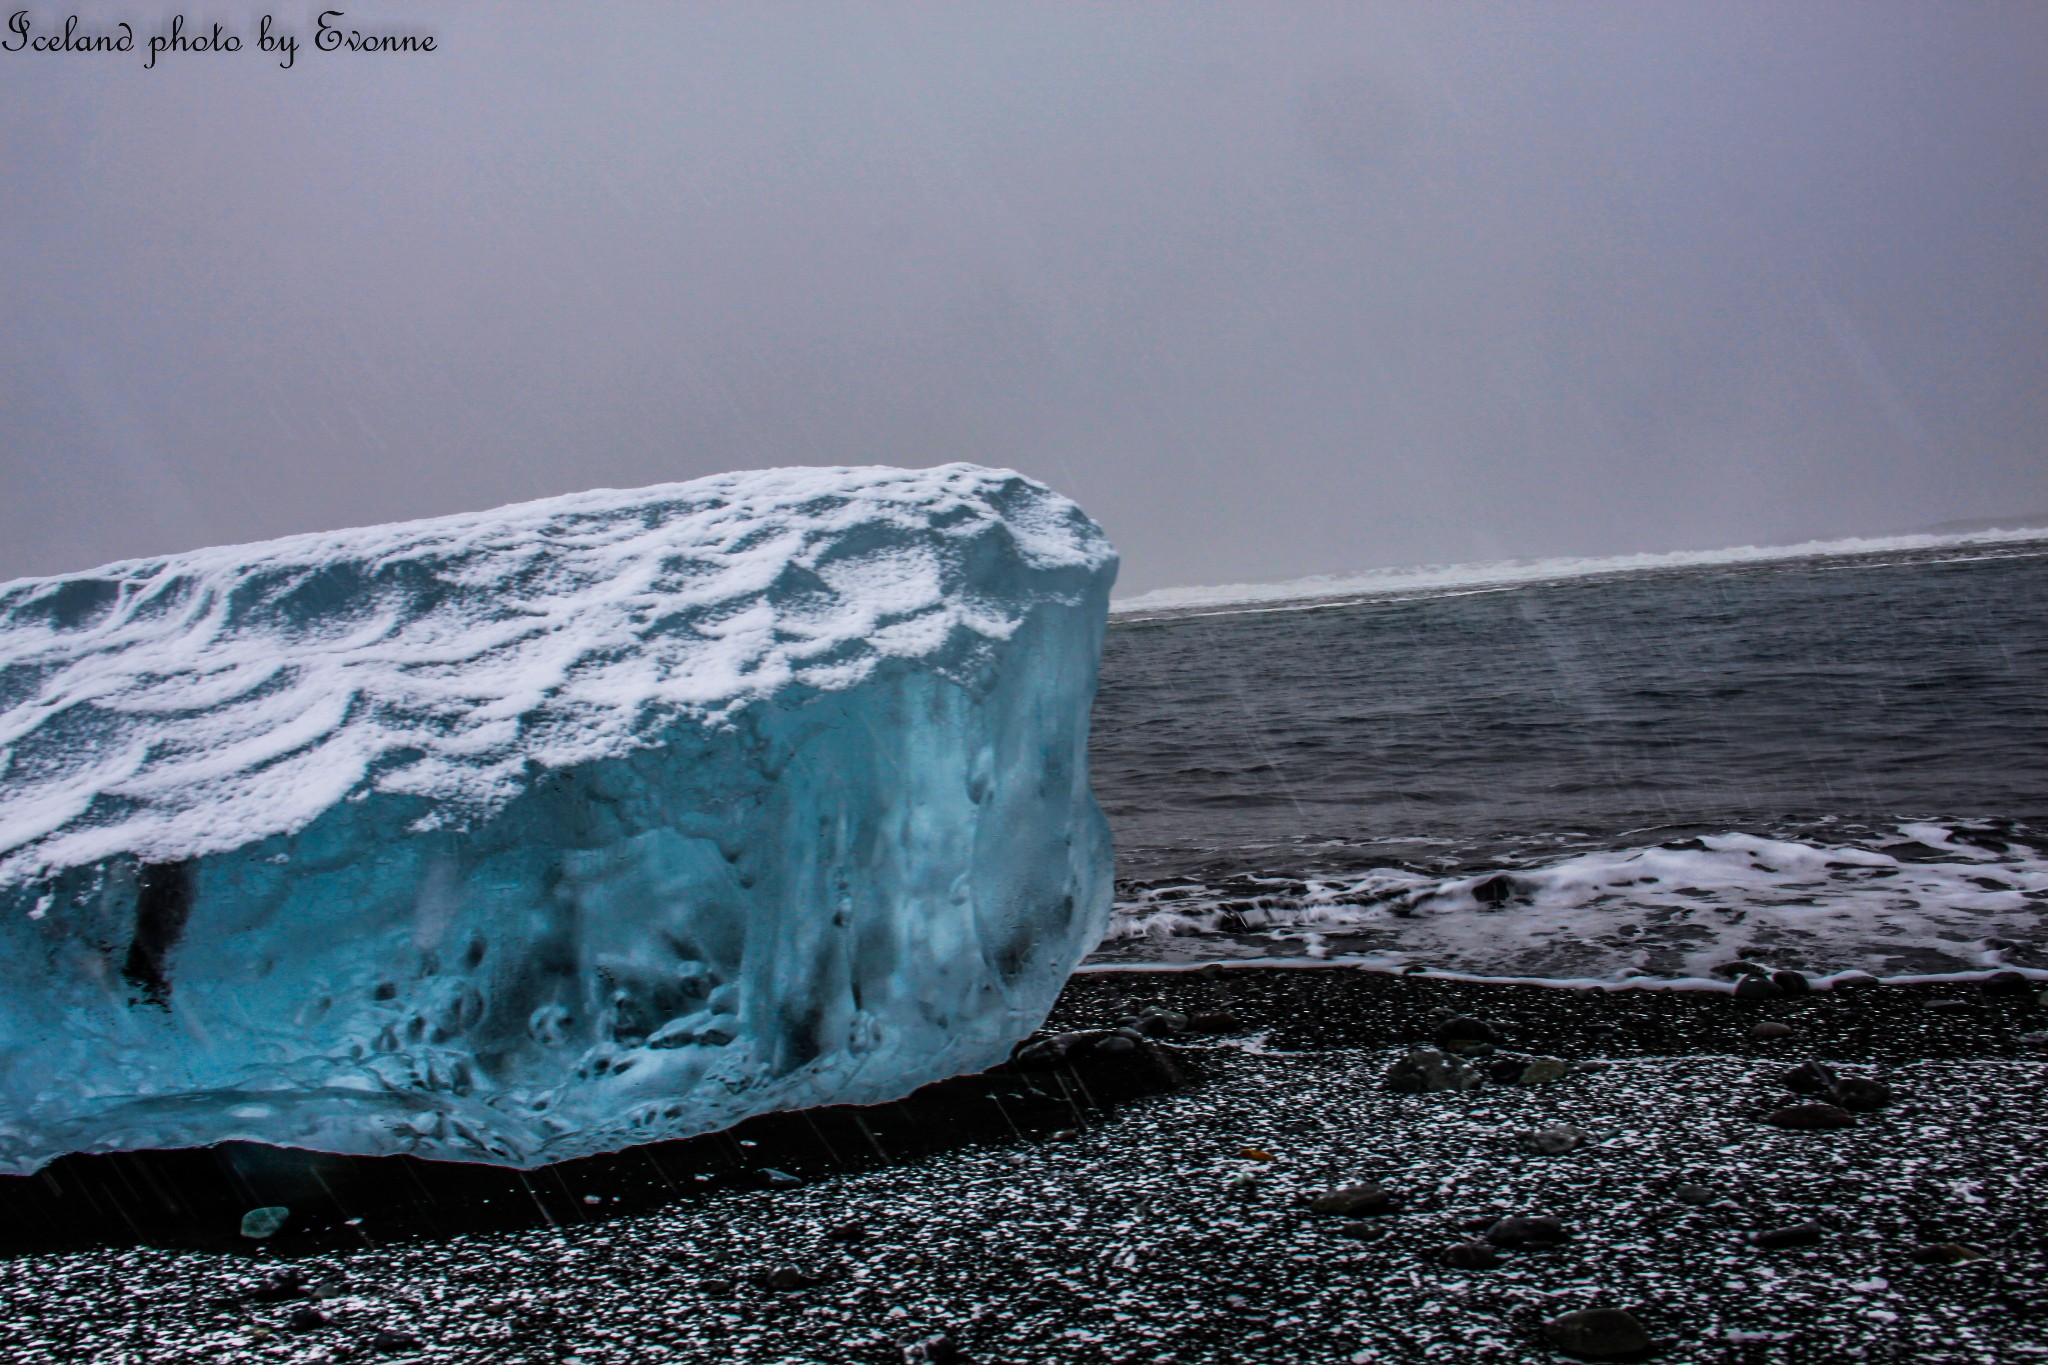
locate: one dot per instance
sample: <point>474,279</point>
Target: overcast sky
<point>1272,289</point>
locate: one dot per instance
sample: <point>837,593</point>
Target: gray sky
<point>1273,289</point>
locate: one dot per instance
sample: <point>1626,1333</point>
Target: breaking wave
<point>1919,898</point>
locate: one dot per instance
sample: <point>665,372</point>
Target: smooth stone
<point>1557,1141</point>
<point>1860,1094</point>
<point>1812,1117</point>
<point>394,1343</point>
<point>1947,1253</point>
<point>1463,1028</point>
<point>847,1232</point>
<point>1536,1230</point>
<point>1693,1194</point>
<point>1426,1070</point>
<point>779,1180</point>
<point>786,1277</point>
<point>1797,1235</point>
<point>1543,1071</point>
<point>258,1224</point>
<point>1353,1201</point>
<point>1952,1006</point>
<point>1599,1334</point>
<point>1740,967</point>
<point>1770,1029</point>
<point>1506,1070</point>
<point>306,1318</point>
<point>1360,1229</point>
<point>2005,981</point>
<point>1792,983</point>
<point>1810,1078</point>
<point>1854,981</point>
<point>1155,1022</point>
<point>1756,987</point>
<point>2037,1041</point>
<point>1472,1256</point>
<point>1216,1021</point>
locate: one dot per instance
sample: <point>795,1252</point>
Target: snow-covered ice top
<point>176,707</point>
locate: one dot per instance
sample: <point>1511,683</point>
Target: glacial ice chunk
<point>523,835</point>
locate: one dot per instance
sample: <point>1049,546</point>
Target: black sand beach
<point>1150,1202</point>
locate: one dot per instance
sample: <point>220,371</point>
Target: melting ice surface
<point>544,831</point>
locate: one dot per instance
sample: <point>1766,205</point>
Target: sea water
<point>1829,759</point>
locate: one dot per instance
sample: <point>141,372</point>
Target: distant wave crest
<point>1326,589</point>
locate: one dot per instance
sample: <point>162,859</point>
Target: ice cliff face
<point>544,831</point>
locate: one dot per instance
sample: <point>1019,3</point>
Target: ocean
<point>1828,759</point>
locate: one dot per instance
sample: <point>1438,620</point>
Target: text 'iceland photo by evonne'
<point>1010,684</point>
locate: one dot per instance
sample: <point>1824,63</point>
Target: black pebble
<point>1946,1253</point>
<point>1798,1235</point>
<point>1507,1070</point>
<point>1599,1334</point>
<point>1471,1256</point>
<point>1463,1028</point>
<point>847,1232</point>
<point>1792,983</point>
<point>1810,1117</point>
<point>1756,986</point>
<point>1810,1078</point>
<point>306,1318</point>
<point>1154,1022</point>
<point>1693,1194</point>
<point>1860,1094</point>
<point>1355,1201</point>
<point>1539,1230</point>
<point>392,1343</point>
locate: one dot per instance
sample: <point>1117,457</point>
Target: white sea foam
<point>1433,579</point>
<point>1931,899</point>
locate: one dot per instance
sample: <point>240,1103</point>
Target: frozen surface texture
<point>545,831</point>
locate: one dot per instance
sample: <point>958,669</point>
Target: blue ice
<point>523,835</point>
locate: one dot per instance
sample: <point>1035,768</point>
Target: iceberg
<point>529,834</point>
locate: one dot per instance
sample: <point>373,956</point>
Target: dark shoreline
<point>1157,1190</point>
